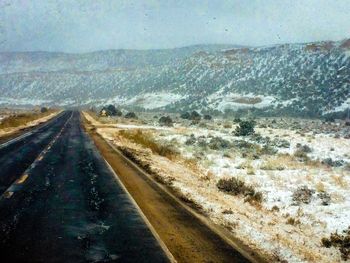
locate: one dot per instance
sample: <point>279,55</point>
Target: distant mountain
<point>298,79</point>
<point>13,62</point>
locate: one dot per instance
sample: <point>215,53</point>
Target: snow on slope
<point>307,79</point>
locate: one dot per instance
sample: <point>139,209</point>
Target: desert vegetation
<point>287,173</point>
<point>22,118</point>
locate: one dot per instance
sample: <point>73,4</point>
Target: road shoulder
<point>189,236</point>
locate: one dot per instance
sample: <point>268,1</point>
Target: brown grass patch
<point>22,119</point>
<point>247,100</point>
<point>147,140</point>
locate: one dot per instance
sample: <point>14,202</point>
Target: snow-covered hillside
<point>303,79</point>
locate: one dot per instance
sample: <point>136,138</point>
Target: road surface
<point>60,202</point>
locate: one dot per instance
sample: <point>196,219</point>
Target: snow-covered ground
<point>154,100</point>
<point>234,101</point>
<point>266,228</point>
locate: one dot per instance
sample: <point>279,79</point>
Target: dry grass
<point>247,164</point>
<point>22,119</point>
<point>320,187</point>
<point>192,164</point>
<point>293,221</point>
<point>273,164</point>
<point>146,139</point>
<point>247,100</point>
<point>339,180</point>
<point>250,171</point>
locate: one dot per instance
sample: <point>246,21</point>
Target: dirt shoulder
<point>189,236</point>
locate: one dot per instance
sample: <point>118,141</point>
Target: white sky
<point>87,25</point>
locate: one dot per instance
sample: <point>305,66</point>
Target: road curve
<point>64,204</point>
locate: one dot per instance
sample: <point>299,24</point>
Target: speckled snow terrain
<point>281,228</point>
<point>300,79</point>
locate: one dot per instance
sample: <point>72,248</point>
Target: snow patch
<point>154,100</point>
<point>236,101</point>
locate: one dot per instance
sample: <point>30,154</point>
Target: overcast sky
<point>87,25</point>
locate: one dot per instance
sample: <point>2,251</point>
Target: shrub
<point>282,143</point>
<point>186,115</point>
<point>207,117</point>
<point>130,115</point>
<point>304,148</point>
<point>339,241</point>
<point>110,110</point>
<point>252,196</point>
<point>227,125</point>
<point>268,150</point>
<point>303,195</point>
<point>325,197</point>
<point>190,141</point>
<point>292,221</point>
<point>330,162</point>
<point>195,116</point>
<point>301,155</point>
<point>329,118</point>
<point>275,208</point>
<point>245,128</point>
<point>43,109</point>
<point>232,185</point>
<point>236,186</point>
<point>237,120</point>
<point>218,143</point>
<point>165,121</point>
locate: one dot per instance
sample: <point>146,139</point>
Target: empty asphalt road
<point>60,202</point>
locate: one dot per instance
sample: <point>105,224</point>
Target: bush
<point>236,186</point>
<point>43,109</point>
<point>130,115</point>
<point>245,128</point>
<point>227,125</point>
<point>331,163</point>
<point>195,116</point>
<point>237,120</point>
<point>185,115</point>
<point>192,140</point>
<point>232,186</point>
<point>301,155</point>
<point>329,118</point>
<point>110,110</point>
<point>268,150</point>
<point>325,197</point>
<point>304,148</point>
<point>303,195</point>
<point>207,117</point>
<point>218,143</point>
<point>292,221</point>
<point>282,143</point>
<point>340,241</point>
<point>165,121</point>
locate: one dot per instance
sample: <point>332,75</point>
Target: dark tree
<point>165,121</point>
<point>245,128</point>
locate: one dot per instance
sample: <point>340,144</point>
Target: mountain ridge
<point>306,79</point>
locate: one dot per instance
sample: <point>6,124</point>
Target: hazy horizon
<point>88,26</point>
